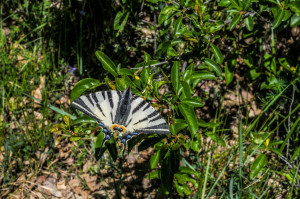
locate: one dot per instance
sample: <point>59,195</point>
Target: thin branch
<point>289,119</point>
<point>229,21</point>
<point>207,2</point>
<point>153,65</point>
<point>183,66</point>
<point>147,22</point>
<point>291,166</point>
<point>142,6</point>
<point>155,30</point>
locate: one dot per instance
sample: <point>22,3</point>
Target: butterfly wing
<point>145,119</point>
<point>100,106</point>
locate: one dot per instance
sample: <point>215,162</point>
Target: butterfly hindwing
<point>145,119</point>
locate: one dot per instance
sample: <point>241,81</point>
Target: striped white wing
<point>145,119</point>
<point>100,106</point>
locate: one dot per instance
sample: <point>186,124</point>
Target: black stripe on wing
<point>154,113</point>
<point>157,131</point>
<point>142,120</point>
<point>111,103</point>
<point>97,103</point>
<point>80,105</point>
<point>162,126</point>
<point>138,107</point>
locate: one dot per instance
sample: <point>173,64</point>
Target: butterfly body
<point>123,112</point>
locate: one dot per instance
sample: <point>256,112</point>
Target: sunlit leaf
<point>259,163</point>
<point>107,63</point>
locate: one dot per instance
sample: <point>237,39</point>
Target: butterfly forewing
<point>100,106</point>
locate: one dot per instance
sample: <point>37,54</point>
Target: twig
<point>207,2</point>
<point>183,66</point>
<point>155,30</point>
<point>291,166</point>
<point>142,6</point>
<point>289,119</point>
<point>153,65</point>
<point>147,22</point>
<point>229,21</point>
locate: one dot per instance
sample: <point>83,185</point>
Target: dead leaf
<point>87,166</point>
<point>49,186</point>
<point>61,184</point>
<point>80,191</point>
<point>91,182</point>
<point>74,183</point>
<point>37,93</point>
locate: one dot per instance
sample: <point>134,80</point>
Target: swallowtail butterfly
<point>121,111</point>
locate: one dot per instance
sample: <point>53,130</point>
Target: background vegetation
<point>224,74</point>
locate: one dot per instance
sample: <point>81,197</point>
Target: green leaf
<point>169,166</point>
<point>203,76</point>
<point>186,89</point>
<point>295,7</point>
<point>236,4</point>
<point>179,125</point>
<point>229,72</point>
<point>190,117</point>
<point>171,52</point>
<point>259,163</point>
<point>162,47</point>
<point>195,145</point>
<point>147,57</point>
<point>112,148</point>
<point>82,86</point>
<point>192,102</point>
<point>182,189</point>
<point>278,18</point>
<point>154,160</point>
<point>249,23</point>
<point>184,178</point>
<point>217,53</point>
<point>216,138</point>
<point>83,119</point>
<point>252,74</point>
<point>287,15</point>
<point>67,120</point>
<point>236,19</point>
<point>149,142</point>
<point>214,66</point>
<point>175,76</point>
<point>107,63</point>
<point>120,21</point>
<point>177,26</point>
<point>74,139</point>
<point>126,71</point>
<point>247,59</point>
<point>295,21</point>
<point>188,72</point>
<point>167,10</point>
<point>296,154</point>
<point>98,150</point>
<point>99,140</point>
<point>153,175</point>
<point>189,170</point>
<point>224,3</point>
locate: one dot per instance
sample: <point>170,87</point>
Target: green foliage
<point>190,37</point>
<point>187,44</point>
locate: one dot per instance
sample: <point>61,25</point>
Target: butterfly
<point>123,112</point>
